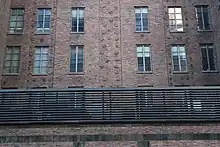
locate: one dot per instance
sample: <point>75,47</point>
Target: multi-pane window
<point>141,14</point>
<point>77,19</point>
<point>143,56</point>
<point>44,20</point>
<point>175,19</point>
<point>76,59</point>
<point>208,57</point>
<point>12,60</point>
<point>203,18</point>
<point>16,20</point>
<point>179,58</point>
<point>41,60</point>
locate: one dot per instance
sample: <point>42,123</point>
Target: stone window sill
<point>77,32</point>
<point>144,72</point>
<point>142,31</point>
<point>10,74</point>
<point>39,74</point>
<point>76,73</point>
<point>180,72</point>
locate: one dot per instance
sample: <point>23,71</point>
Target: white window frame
<point>201,7</point>
<point>179,61</point>
<point>11,59</point>
<point>16,21</point>
<point>43,29</point>
<point>143,57</point>
<point>142,24</point>
<point>76,47</point>
<point>176,28</point>
<point>41,60</point>
<point>77,9</point>
<point>207,54</point>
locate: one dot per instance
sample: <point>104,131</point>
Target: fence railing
<point>109,105</point>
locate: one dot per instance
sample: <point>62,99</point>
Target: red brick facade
<point>109,44</point>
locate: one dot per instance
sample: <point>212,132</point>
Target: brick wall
<point>117,135</point>
<point>110,44</point>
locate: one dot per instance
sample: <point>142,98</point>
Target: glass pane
<point>20,11</point>
<point>7,63</point>
<point>211,59</point>
<point>147,64</point>
<point>8,57</point>
<point>44,70</point>
<point>13,24</point>
<point>37,51</point>
<point>181,49</point>
<point>44,63</point>
<point>137,10</point>
<point>170,10</point>
<point>47,11</point>
<point>140,67</point>
<point>206,21</point>
<point>204,64</point>
<point>6,70</point>
<point>15,63</point>
<point>139,54</point>
<point>45,50</point>
<point>171,16</point>
<point>74,13</point>
<point>144,10</point>
<point>36,63</point>
<point>47,24</point>
<point>13,18</point>
<point>40,11</point>
<point>81,13</point>
<point>145,24</point>
<point>14,11</point>
<point>37,57</point>
<point>14,69</point>
<point>80,68</point>
<point>179,28</point>
<point>179,16</point>
<point>20,24</point>
<point>140,60</point>
<point>178,10</point>
<point>8,50</point>
<point>176,68</point>
<point>20,18</point>
<point>44,57</point>
<point>36,70</point>
<point>72,68</point>
<point>15,57</point>
<point>174,49</point>
<point>40,24</point>
<point>146,49</point>
<point>179,22</point>
<point>81,29</point>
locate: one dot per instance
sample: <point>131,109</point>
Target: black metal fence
<point>109,105</point>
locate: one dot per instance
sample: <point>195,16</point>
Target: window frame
<point>76,47</point>
<point>44,30</point>
<point>179,61</point>
<point>215,57</point>
<point>41,60</point>
<point>142,25</point>
<point>176,28</point>
<point>11,60</point>
<point>77,13</point>
<point>201,7</point>
<point>16,21</point>
<point>143,57</point>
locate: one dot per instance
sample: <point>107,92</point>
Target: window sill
<point>144,72</point>
<point>76,73</point>
<point>77,32</point>
<point>39,74</point>
<point>177,32</point>
<point>180,72</point>
<point>205,30</point>
<point>42,33</point>
<point>10,74</point>
<point>211,71</point>
<point>142,31</point>
<point>14,33</point>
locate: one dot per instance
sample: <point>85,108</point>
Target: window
<point>175,19</point>
<point>77,19</point>
<point>76,59</point>
<point>12,60</point>
<point>208,57</point>
<point>41,60</point>
<point>141,19</point>
<point>16,20</point>
<point>179,58</point>
<point>203,18</point>
<point>43,20</point>
<point>143,56</point>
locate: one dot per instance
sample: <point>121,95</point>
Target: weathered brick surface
<point>110,44</point>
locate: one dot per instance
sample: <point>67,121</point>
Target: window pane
<point>170,10</point>
<point>13,24</point>
<point>206,21</point>
<point>74,14</point>
<point>14,69</point>
<point>13,18</point>
<point>178,10</point>
<point>37,64</point>
<point>15,63</point>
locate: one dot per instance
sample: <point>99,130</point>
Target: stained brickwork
<point>109,44</point>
